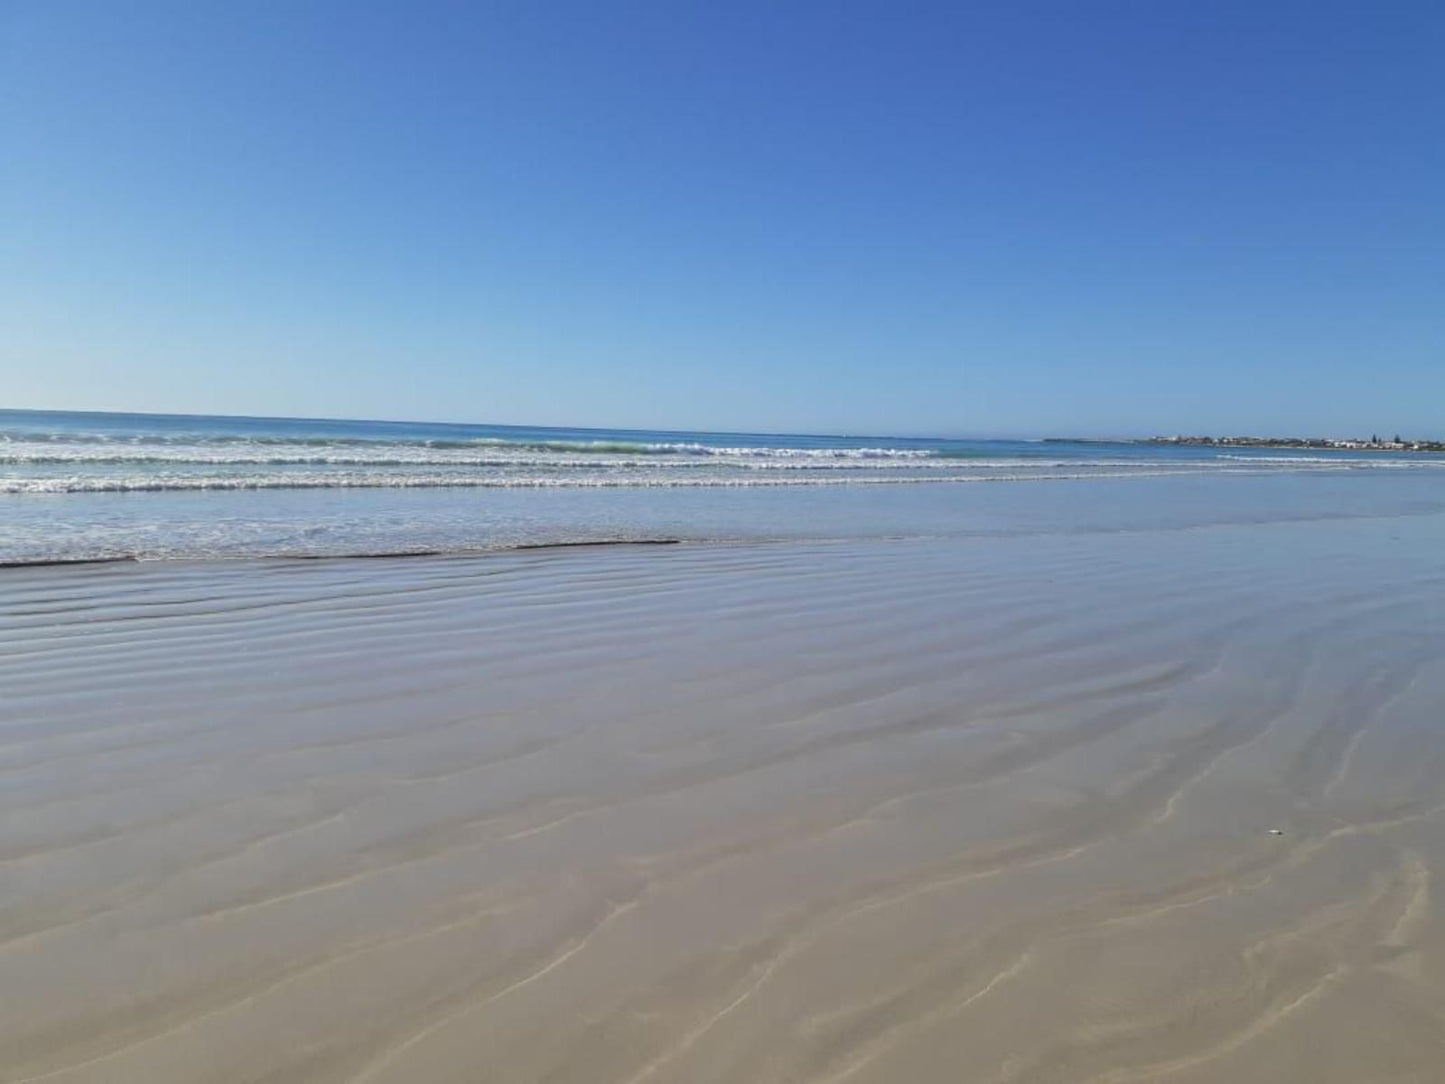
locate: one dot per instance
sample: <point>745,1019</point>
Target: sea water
<point>80,486</point>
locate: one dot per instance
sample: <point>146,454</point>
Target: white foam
<point>194,483</point>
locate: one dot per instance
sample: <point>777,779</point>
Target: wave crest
<point>572,447</point>
<point>197,483</point>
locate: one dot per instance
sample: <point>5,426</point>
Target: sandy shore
<point>990,810</point>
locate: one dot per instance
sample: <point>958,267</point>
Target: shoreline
<point>995,532</point>
<point>479,551</point>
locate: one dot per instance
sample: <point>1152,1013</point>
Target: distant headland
<point>1373,444</point>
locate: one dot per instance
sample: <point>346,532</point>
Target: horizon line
<point>1032,438</point>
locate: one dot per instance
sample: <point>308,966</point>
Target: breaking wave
<point>158,454</point>
<point>194,483</point>
<point>570,447</point>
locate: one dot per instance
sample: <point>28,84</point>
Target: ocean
<point>85,486</point>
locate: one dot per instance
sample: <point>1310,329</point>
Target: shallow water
<point>85,486</point>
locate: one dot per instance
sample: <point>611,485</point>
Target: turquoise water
<point>83,485</point>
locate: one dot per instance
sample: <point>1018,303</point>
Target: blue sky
<point>1009,218</point>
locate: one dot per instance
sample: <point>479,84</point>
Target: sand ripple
<point>992,810</point>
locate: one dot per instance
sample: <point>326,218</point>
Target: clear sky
<point>957,218</point>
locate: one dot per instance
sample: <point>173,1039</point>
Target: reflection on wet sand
<point>985,810</point>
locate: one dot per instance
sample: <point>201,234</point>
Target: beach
<point>1158,802</point>
<point>666,543</point>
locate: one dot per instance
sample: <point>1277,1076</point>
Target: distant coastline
<point>1373,444</point>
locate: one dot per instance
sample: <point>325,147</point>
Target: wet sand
<point>994,810</point>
